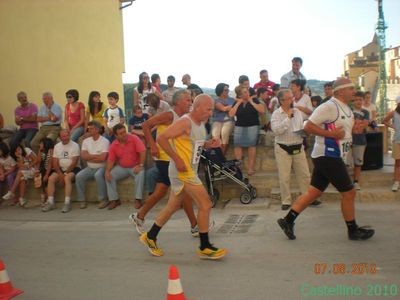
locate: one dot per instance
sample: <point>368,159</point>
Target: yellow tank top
<point>98,116</point>
<point>160,129</point>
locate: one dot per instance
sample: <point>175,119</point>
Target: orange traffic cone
<point>7,291</point>
<point>175,291</point>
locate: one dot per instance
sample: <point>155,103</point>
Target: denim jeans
<point>89,173</point>
<point>21,134</point>
<point>76,134</point>
<point>118,173</point>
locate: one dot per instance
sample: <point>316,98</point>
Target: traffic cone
<point>7,291</point>
<point>175,291</point>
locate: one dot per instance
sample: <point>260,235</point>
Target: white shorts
<point>358,154</point>
<point>28,174</point>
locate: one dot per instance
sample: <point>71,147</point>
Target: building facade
<point>58,45</point>
<point>361,63</point>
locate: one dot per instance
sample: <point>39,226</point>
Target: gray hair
<point>282,94</point>
<point>21,93</point>
<point>178,95</point>
<point>48,94</point>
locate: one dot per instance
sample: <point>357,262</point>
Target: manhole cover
<point>237,224</point>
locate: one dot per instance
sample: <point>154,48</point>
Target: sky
<point>219,40</point>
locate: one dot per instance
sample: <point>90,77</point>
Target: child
<point>263,98</point>
<point>8,166</point>
<point>369,106</point>
<point>136,121</point>
<point>26,160</point>
<point>44,165</point>
<point>361,117</point>
<point>316,101</point>
<point>274,103</point>
<point>113,115</point>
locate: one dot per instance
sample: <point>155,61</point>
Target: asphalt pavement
<point>95,254</point>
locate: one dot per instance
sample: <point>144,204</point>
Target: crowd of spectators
<point>54,147</point>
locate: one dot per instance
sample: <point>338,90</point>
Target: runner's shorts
<point>330,170</point>
<point>162,167</point>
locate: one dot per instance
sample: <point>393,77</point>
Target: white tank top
<point>330,115</point>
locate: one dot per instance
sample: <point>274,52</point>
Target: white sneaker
<point>48,207</point>
<point>139,224</point>
<point>195,230</point>
<point>22,201</point>
<point>395,187</point>
<point>66,208</point>
<point>9,195</point>
<point>357,186</point>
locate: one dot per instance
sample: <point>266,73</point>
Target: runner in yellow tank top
<point>185,155</point>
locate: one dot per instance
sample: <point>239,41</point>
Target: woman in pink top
<point>74,115</point>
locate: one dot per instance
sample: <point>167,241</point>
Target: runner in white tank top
<point>332,123</point>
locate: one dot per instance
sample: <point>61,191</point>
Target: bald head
<point>203,106</point>
<point>201,100</point>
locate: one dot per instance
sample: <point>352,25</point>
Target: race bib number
<point>345,147</point>
<point>197,149</point>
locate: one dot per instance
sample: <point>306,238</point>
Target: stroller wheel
<point>214,198</point>
<point>246,197</point>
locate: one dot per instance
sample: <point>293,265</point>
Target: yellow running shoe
<point>211,253</point>
<point>151,245</point>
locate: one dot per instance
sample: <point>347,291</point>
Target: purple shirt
<point>27,111</point>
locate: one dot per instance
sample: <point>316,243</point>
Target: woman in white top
<point>301,100</point>
<point>143,89</point>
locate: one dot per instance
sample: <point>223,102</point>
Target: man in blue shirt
<point>50,115</point>
<point>295,73</point>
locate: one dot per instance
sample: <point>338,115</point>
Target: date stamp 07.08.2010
<point>346,290</point>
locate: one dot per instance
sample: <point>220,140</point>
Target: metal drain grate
<point>237,224</point>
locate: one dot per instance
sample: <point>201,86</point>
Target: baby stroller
<point>217,168</point>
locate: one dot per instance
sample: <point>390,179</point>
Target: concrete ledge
<point>126,189</point>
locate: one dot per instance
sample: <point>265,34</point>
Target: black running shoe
<point>361,233</point>
<point>287,228</point>
<point>315,203</point>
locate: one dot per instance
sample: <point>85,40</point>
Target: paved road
<point>93,254</point>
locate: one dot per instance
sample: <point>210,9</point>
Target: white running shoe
<point>139,224</point>
<point>195,230</point>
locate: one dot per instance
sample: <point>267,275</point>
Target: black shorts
<point>330,170</point>
<point>162,167</point>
